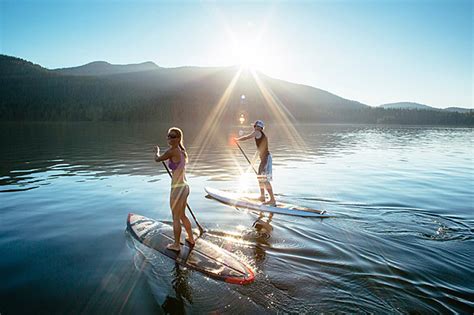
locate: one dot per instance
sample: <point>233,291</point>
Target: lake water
<point>400,239</point>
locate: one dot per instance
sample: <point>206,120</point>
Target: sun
<point>247,46</point>
<point>248,54</point>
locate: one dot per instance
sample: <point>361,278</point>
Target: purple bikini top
<point>174,166</point>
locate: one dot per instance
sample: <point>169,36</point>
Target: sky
<point>374,52</point>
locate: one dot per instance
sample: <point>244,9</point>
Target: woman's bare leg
<point>188,228</point>
<point>175,203</point>
<point>184,218</point>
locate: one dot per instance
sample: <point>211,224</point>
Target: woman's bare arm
<point>165,156</point>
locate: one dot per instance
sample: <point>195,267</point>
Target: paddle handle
<point>201,230</point>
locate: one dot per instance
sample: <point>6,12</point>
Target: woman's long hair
<point>179,132</point>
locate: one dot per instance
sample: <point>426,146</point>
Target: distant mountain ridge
<point>418,106</point>
<point>99,68</point>
<point>407,105</point>
<point>100,91</point>
<point>13,66</point>
<point>458,109</point>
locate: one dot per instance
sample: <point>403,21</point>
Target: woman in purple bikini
<point>177,158</point>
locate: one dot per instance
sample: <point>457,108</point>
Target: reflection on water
<point>400,239</point>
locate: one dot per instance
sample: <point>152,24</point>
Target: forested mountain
<point>457,109</point>
<point>105,68</point>
<point>406,105</point>
<point>145,92</point>
<point>11,66</point>
<point>418,106</point>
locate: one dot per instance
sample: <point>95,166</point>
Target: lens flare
<point>242,119</point>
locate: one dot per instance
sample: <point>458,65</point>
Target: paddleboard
<point>243,201</point>
<point>204,256</point>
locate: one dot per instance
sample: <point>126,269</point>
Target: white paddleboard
<point>243,201</point>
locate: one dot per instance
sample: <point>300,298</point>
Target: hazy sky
<point>371,51</point>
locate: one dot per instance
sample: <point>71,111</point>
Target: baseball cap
<point>259,123</point>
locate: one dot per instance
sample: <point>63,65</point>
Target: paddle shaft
<point>246,157</point>
<point>201,230</point>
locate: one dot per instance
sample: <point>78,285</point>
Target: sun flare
<point>246,181</point>
<point>247,47</point>
<point>247,55</point>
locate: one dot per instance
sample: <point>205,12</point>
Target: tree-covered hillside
<point>146,92</point>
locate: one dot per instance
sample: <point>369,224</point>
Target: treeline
<point>29,92</point>
<point>58,98</point>
<point>373,115</point>
<point>128,97</point>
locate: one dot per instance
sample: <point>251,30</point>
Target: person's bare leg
<point>270,192</point>
<point>184,218</point>
<point>262,190</point>
<point>176,224</point>
<point>188,228</point>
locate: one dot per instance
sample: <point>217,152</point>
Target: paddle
<point>201,230</point>
<point>246,157</point>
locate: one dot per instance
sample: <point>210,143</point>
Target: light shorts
<point>265,169</point>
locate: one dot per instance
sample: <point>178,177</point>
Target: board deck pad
<point>204,256</point>
<point>250,202</point>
